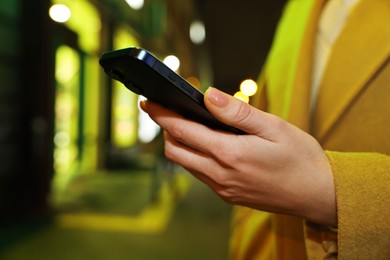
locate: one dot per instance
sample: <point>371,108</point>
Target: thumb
<point>236,113</point>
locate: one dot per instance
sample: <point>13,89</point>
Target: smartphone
<point>144,74</point>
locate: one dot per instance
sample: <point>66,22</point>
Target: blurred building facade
<point>60,114</point>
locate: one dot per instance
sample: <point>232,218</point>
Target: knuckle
<point>227,156</point>
<point>226,184</point>
<point>177,131</point>
<point>242,112</point>
<point>229,196</point>
<point>278,124</point>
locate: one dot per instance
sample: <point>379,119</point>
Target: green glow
<point>85,21</point>
<point>124,104</point>
<point>67,76</point>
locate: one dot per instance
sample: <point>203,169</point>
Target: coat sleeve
<point>362,183</point>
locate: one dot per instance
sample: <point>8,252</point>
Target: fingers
<point>195,162</point>
<point>187,132</point>
<point>234,112</point>
<point>184,155</point>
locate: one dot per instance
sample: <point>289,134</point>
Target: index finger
<point>190,133</point>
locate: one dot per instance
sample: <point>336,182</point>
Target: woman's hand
<point>275,167</point>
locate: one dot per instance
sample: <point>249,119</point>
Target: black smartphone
<point>142,73</point>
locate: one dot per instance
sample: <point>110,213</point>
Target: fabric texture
<point>331,22</point>
<point>351,120</point>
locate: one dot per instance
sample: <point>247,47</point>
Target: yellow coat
<point>352,123</point>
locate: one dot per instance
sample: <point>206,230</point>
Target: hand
<point>275,167</point>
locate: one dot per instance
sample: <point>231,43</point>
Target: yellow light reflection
<point>61,139</point>
<point>124,103</point>
<point>153,219</point>
<point>241,96</point>
<point>125,114</point>
<point>67,65</point>
<point>194,81</point>
<point>248,87</point>
<point>67,75</point>
<point>85,21</point>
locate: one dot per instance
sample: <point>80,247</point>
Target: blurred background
<point>82,170</point>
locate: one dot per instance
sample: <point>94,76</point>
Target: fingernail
<point>217,97</point>
<point>143,105</point>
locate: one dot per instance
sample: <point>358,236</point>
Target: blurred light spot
<point>67,65</point>
<point>147,128</point>
<point>60,13</point>
<point>172,62</point>
<point>248,87</point>
<point>194,81</point>
<point>241,96</point>
<point>122,128</point>
<point>197,32</point>
<point>61,139</point>
<point>135,4</point>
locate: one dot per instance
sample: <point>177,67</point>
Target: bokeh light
<point>248,87</point>
<point>197,32</point>
<point>172,62</point>
<point>60,13</point>
<point>135,4</point>
<point>147,128</point>
<point>241,96</point>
